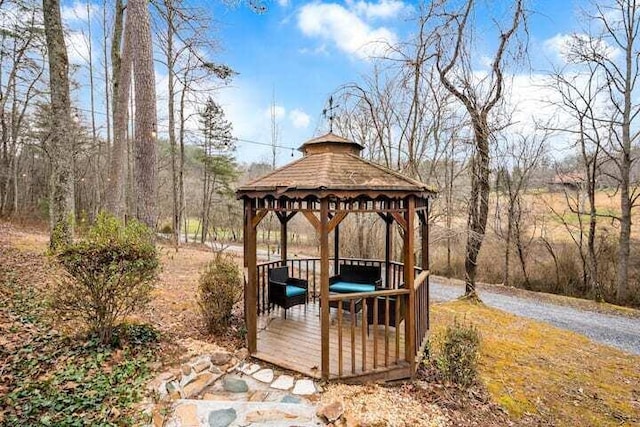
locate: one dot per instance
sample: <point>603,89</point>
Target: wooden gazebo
<point>330,181</point>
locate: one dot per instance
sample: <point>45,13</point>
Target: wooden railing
<point>381,308</point>
<point>309,269</point>
<point>421,310</point>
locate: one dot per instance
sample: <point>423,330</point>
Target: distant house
<point>567,181</point>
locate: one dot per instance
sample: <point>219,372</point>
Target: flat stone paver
<point>249,369</point>
<point>235,385</point>
<point>222,417</point>
<point>283,382</point>
<point>304,387</point>
<point>264,375</point>
<point>236,414</point>
<point>291,399</point>
<point>247,395</point>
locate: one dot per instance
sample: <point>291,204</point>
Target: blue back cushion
<point>293,291</point>
<point>349,287</point>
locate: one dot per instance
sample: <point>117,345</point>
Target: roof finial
<point>328,113</point>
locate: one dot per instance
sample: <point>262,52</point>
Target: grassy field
<point>534,370</point>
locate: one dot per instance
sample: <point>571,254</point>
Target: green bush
<point>110,274</point>
<point>220,288</point>
<point>457,359</point>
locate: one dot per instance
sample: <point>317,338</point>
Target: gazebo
<point>322,338</point>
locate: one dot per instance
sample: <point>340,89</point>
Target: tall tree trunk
<point>478,204</point>
<point>60,146</point>
<point>145,113</point>
<point>96,179</point>
<point>183,204</point>
<point>122,88</point>
<point>107,80</point>
<point>625,233</point>
<point>625,172</point>
<point>172,131</point>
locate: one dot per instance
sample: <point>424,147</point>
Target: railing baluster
<point>386,331</point>
<point>364,334</point>
<point>353,337</point>
<point>397,319</point>
<point>340,339</point>
<point>375,332</point>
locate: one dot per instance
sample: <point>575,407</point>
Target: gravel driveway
<point>617,331</point>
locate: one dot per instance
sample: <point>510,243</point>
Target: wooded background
<point>508,210</point>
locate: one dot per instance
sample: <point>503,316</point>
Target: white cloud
<point>558,46</point>
<point>299,119</point>
<point>564,46</point>
<point>348,31</point>
<point>283,3</point>
<point>77,12</point>
<point>383,9</point>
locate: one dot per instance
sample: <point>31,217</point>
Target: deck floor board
<point>294,343</point>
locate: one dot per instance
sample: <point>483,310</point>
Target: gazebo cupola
<point>330,143</point>
<point>330,181</point>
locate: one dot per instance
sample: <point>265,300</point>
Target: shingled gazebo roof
<point>332,166</point>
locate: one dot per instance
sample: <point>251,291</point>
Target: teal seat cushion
<point>350,287</point>
<point>293,291</point>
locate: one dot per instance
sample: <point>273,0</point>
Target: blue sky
<point>299,52</point>
<point>302,51</point>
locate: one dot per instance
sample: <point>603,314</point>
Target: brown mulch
<point>463,407</point>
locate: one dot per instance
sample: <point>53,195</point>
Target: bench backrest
<point>279,274</point>
<point>360,273</point>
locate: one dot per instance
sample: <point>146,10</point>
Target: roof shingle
<point>334,169</point>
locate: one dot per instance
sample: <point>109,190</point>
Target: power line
<point>196,133</point>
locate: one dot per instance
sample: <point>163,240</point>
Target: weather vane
<point>328,113</point>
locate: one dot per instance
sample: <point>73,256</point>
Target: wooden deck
<point>295,344</point>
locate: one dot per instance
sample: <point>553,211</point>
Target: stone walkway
<point>221,389</point>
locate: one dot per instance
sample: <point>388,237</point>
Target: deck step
<point>219,413</point>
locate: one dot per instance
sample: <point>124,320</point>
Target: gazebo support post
<point>409,276</point>
<point>250,303</point>
<point>388,249</point>
<point>336,250</point>
<point>425,252</point>
<point>284,220</point>
<point>324,286</point>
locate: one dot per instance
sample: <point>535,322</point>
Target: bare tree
<point>182,32</point>
<point>518,160</point>
<point>614,26</point>
<point>60,146</point>
<point>21,56</point>
<point>582,97</point>
<point>479,99</point>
